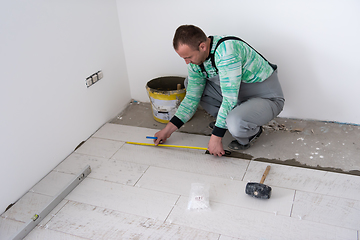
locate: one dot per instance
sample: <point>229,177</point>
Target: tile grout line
<point>247,167</point>
<point>172,210</point>
<point>141,175</point>
<point>117,151</point>
<point>54,215</point>
<point>66,233</point>
<point>292,205</point>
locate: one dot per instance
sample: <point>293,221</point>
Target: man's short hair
<point>189,35</point>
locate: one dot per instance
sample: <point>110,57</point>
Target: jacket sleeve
<point>194,91</point>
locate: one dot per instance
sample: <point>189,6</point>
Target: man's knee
<point>239,125</point>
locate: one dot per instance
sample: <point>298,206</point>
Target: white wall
<point>314,43</point>
<point>47,49</point>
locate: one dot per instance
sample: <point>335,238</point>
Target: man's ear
<point>202,46</point>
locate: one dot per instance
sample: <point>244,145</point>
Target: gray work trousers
<point>258,103</point>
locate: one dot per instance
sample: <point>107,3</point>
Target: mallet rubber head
<point>258,190</point>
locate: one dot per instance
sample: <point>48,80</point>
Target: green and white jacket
<point>236,62</point>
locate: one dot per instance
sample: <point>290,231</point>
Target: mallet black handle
<point>265,174</point>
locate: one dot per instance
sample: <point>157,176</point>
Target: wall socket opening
<point>93,78</point>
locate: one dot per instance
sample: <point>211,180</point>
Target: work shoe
<point>212,125</point>
<point>236,146</point>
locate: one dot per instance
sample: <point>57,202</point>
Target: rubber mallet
<point>259,190</point>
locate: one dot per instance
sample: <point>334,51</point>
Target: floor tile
<point>221,190</point>
<point>27,206</point>
<point>188,161</point>
<point>45,233</point>
<point>137,134</point>
<point>124,133</point>
<point>99,147</point>
<point>30,204</point>
<point>308,180</point>
<point>133,200</point>
<point>249,224</point>
<point>9,227</point>
<point>76,162</point>
<point>105,169</point>
<point>326,209</point>
<point>100,223</point>
<point>53,183</point>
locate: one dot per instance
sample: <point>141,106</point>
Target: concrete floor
<point>310,144</point>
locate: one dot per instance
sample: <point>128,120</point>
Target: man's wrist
<point>219,132</point>
<point>176,121</point>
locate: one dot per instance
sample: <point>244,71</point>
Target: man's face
<point>193,56</point>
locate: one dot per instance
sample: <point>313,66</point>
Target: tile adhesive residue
<point>273,125</point>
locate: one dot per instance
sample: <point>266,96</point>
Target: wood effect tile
<point>9,227</point>
<point>221,190</point>
<point>30,204</point>
<point>308,180</point>
<point>124,133</point>
<point>75,162</point>
<point>99,147</point>
<point>100,223</point>
<point>244,223</point>
<point>137,134</point>
<point>133,200</point>
<point>326,209</point>
<point>52,183</point>
<point>105,169</point>
<point>195,161</point>
<point>45,233</point>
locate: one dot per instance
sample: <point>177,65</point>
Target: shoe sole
<point>247,146</point>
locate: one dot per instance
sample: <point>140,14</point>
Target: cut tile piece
<point>100,223</point>
<point>221,190</point>
<point>195,162</point>
<point>105,169</point>
<point>307,180</point>
<point>27,206</point>
<point>30,204</point>
<point>326,209</point>
<point>250,224</point>
<point>99,147</point>
<point>9,227</point>
<point>133,200</point>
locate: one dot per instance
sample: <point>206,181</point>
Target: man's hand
<point>165,133</point>
<point>215,146</point>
